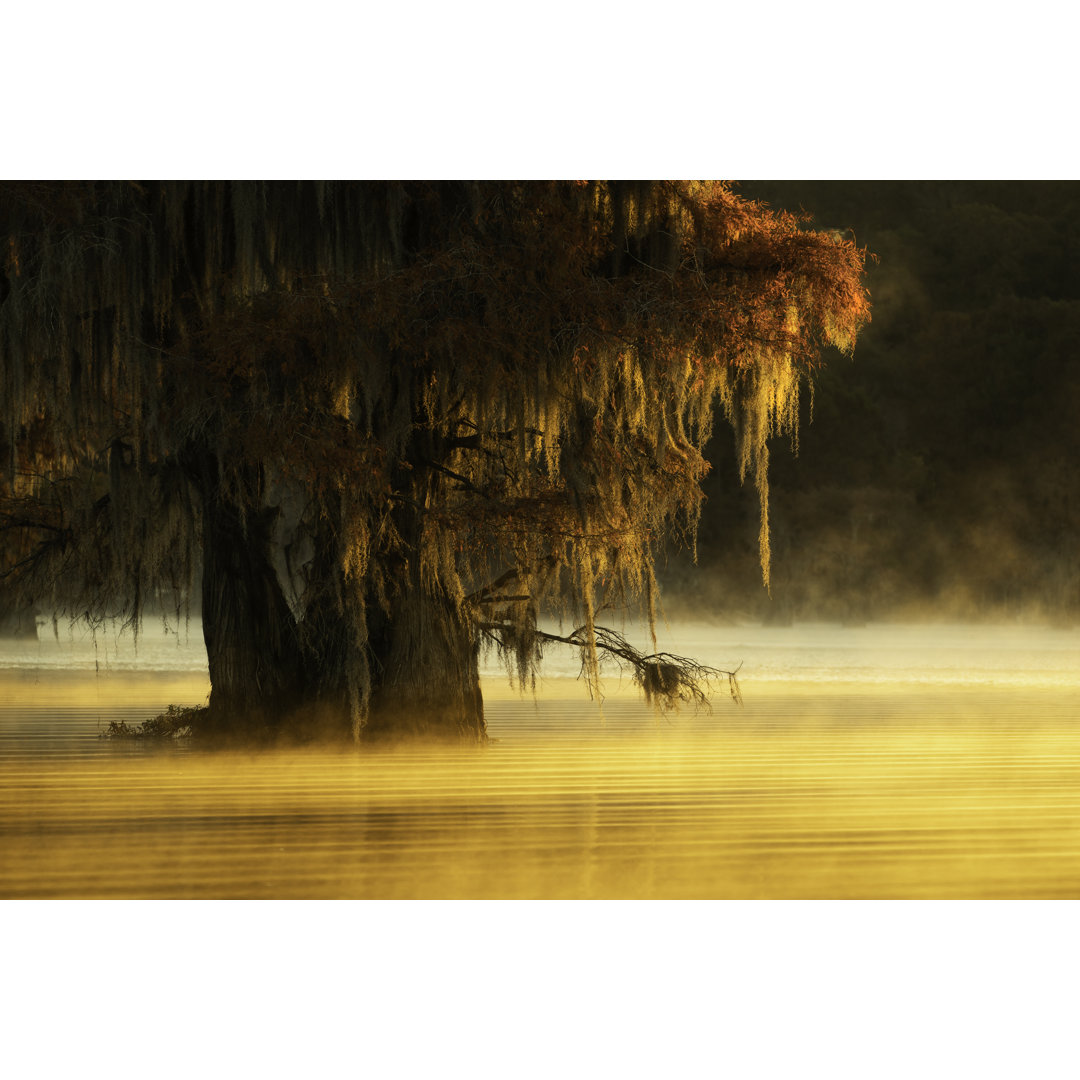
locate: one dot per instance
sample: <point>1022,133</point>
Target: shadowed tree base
<point>427,719</point>
<point>425,672</point>
<point>275,679</point>
<point>420,721</point>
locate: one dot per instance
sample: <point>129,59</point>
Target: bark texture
<point>425,672</point>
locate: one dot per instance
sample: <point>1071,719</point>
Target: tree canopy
<point>384,423</point>
<point>938,477</point>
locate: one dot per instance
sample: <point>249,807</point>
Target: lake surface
<point>876,762</point>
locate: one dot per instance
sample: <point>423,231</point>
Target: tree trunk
<point>425,670</point>
<point>257,675</point>
<point>255,671</point>
<point>272,678</point>
<point>424,655</point>
<point>19,624</point>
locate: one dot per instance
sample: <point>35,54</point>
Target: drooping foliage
<point>485,399</point>
<point>938,477</point>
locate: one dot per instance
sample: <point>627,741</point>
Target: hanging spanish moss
<point>366,428</point>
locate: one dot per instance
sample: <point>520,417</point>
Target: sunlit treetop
<point>493,393</point>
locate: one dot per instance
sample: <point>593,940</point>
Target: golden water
<point>861,788</point>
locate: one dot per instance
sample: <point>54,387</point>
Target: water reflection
<point>856,788</point>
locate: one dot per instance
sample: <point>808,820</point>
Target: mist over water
<point>882,761</point>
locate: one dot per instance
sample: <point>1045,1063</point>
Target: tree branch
<point>665,678</point>
<point>465,483</point>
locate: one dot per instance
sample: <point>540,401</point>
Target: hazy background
<point>938,477</point>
